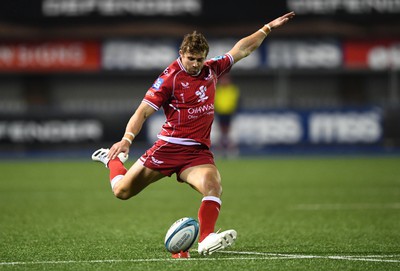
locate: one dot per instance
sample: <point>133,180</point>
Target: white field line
<point>350,206</point>
<point>366,258</point>
<point>250,256</point>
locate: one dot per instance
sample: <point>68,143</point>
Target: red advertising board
<point>50,56</point>
<point>376,54</point>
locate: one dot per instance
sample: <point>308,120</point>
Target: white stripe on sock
<point>115,180</point>
<point>212,198</point>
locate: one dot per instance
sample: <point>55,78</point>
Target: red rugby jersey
<point>188,101</point>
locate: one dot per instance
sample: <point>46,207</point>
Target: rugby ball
<point>181,235</point>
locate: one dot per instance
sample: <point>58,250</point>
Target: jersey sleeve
<point>221,64</point>
<point>159,92</point>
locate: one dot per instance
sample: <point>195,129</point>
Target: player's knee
<point>121,193</point>
<point>218,190</point>
<point>213,188</point>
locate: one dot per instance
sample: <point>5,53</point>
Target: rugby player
<point>185,90</point>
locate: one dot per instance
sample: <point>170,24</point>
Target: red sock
<point>208,215</point>
<point>116,168</point>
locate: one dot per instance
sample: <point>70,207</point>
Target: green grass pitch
<point>303,213</point>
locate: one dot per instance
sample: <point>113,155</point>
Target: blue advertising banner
<point>325,127</point>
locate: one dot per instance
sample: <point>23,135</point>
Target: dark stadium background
<point>72,72</point>
<point>317,184</point>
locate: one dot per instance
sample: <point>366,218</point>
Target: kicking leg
<point>126,183</point>
<point>135,180</point>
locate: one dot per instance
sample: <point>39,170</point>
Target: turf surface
<point>290,214</point>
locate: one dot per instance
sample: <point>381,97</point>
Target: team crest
<point>201,93</point>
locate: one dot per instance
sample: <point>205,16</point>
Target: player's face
<point>193,62</point>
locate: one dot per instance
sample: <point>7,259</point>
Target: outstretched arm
<point>247,45</point>
<point>133,128</point>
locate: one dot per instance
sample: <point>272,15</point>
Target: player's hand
<point>281,20</point>
<point>117,148</point>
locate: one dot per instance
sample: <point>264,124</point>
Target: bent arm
<point>137,120</point>
<point>133,128</point>
<point>247,45</point>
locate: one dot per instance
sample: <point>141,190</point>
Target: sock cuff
<point>212,198</point>
<point>115,180</point>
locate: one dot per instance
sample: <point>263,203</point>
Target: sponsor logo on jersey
<point>155,161</point>
<point>185,84</point>
<point>157,84</point>
<point>207,109</point>
<point>218,57</point>
<point>201,109</point>
<point>150,93</point>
